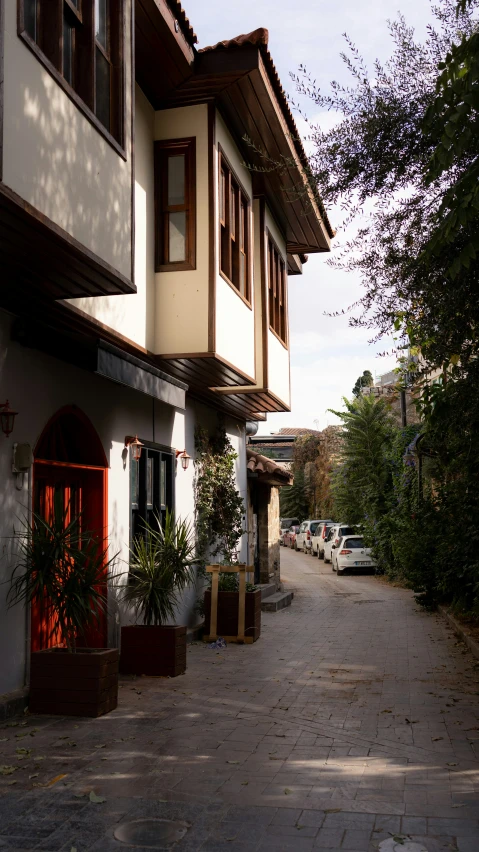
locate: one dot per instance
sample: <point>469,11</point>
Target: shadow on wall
<point>73,176</point>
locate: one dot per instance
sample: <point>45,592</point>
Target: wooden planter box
<point>154,651</point>
<point>227,624</point>
<point>80,684</point>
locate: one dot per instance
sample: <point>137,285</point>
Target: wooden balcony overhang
<point>164,53</point>
<point>240,77</point>
<point>39,257</point>
<point>253,400</point>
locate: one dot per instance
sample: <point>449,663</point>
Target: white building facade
<point>144,266</point>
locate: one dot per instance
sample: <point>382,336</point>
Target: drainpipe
<point>28,614</point>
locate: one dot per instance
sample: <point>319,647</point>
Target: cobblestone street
<point>352,720</point>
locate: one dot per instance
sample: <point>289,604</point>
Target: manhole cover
<point>152,833</point>
<point>401,844</point>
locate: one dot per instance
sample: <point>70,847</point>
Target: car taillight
<point>337,540</point>
<point>308,535</point>
<point>344,552</point>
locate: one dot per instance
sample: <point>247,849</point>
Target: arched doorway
<point>69,481</point>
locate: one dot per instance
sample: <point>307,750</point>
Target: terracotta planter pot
<point>227,624</point>
<point>154,651</point>
<point>80,684</point>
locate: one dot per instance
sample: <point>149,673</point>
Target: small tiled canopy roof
<point>297,431</point>
<point>267,470</point>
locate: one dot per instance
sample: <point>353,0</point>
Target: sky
<point>327,355</point>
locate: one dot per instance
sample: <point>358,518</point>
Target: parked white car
<point>351,554</point>
<point>319,537</point>
<point>334,537</point>
<point>306,532</point>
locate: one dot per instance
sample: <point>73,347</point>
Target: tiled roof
<point>295,431</point>
<point>267,468</point>
<point>183,21</point>
<point>259,38</point>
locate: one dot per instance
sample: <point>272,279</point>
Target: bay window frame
<point>277,291</point>
<point>47,43</point>
<point>163,149</point>
<point>234,226</point>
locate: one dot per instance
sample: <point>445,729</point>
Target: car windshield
<point>314,527</point>
<point>345,531</point>
<point>354,543</point>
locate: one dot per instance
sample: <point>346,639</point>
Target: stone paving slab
<point>354,719</point>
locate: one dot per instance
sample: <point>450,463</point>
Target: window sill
<point>235,289</point>
<point>79,103</point>
<point>181,266</point>
<point>278,337</point>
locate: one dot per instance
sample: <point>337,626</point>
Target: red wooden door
<point>63,491</point>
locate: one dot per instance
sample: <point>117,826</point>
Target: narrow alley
<point>352,721</point>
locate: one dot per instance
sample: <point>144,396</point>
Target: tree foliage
<point>407,488</point>
<point>403,156</point>
<point>219,508</point>
<point>364,381</point>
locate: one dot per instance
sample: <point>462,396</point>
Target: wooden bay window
<point>80,42</point>
<point>175,205</point>
<point>277,292</point>
<point>234,223</point>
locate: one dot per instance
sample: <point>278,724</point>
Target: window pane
<point>176,180</point>
<point>30,17</point>
<point>177,237</point>
<point>101,23</point>
<point>102,89</point>
<point>67,51</point>
<point>163,484</point>
<point>242,267</point>
<point>222,196</point>
<point>149,482</point>
<point>233,211</point>
<point>134,480</point>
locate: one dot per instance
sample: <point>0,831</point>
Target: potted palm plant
<point>161,561</point>
<point>61,571</point>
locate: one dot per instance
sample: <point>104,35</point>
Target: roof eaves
<point>259,38</point>
<point>183,21</point>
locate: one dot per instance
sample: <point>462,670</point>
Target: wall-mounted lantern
<point>136,446</point>
<point>7,418</point>
<point>184,458</point>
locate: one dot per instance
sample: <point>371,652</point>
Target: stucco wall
<point>182,297</point>
<point>37,385</point>
<point>134,316</point>
<point>57,161</point>
<point>234,319</point>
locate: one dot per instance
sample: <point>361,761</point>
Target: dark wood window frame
<point>277,291</point>
<point>47,43</point>
<point>235,236</point>
<point>164,150</point>
<point>152,485</point>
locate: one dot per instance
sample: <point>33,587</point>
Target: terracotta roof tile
<point>183,21</point>
<point>268,468</point>
<point>296,431</point>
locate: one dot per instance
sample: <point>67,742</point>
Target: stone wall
<point>268,533</point>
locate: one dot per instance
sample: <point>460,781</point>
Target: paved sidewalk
<point>352,720</point>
